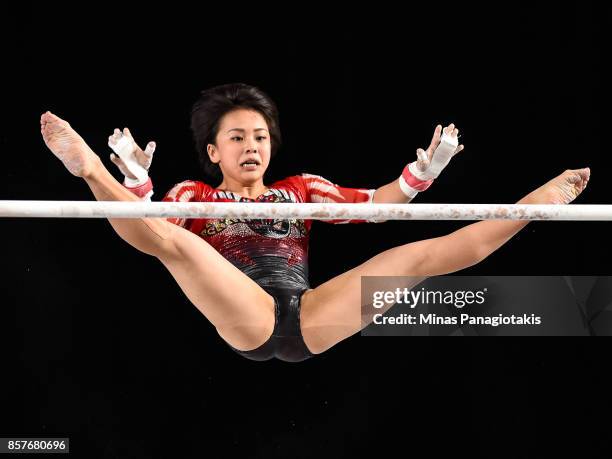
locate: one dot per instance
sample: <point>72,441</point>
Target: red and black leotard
<point>274,253</point>
<point>271,252</point>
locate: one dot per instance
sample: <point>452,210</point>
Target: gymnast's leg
<point>332,312</point>
<point>241,311</point>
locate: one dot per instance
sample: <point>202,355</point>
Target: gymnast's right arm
<point>134,164</point>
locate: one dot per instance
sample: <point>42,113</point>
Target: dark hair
<point>216,102</point>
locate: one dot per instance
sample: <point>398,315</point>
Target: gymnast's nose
<point>251,147</point>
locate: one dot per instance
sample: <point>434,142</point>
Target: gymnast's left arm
<point>419,175</point>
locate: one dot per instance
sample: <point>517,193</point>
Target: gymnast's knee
<point>153,237</point>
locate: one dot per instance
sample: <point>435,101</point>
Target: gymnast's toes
<point>67,145</point>
<point>567,186</point>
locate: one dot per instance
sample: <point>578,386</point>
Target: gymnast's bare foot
<point>67,145</point>
<point>566,187</point>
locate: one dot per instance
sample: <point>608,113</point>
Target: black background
<point>100,345</point>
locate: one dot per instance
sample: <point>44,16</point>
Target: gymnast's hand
<point>132,161</point>
<point>444,145</point>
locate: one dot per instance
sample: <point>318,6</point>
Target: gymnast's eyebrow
<point>237,129</point>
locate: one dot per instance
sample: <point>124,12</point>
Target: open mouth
<point>250,164</point>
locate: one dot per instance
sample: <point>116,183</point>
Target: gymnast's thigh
<point>241,311</point>
<point>333,311</point>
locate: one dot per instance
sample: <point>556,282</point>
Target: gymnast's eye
<point>262,137</point>
<point>236,138</point>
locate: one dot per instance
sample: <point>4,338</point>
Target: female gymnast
<point>250,277</point>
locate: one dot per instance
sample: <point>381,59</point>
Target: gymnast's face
<point>242,147</point>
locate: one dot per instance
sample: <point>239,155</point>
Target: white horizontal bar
<point>305,211</point>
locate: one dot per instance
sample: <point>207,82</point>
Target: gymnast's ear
<point>213,154</point>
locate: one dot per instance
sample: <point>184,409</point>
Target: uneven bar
<point>305,211</point>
